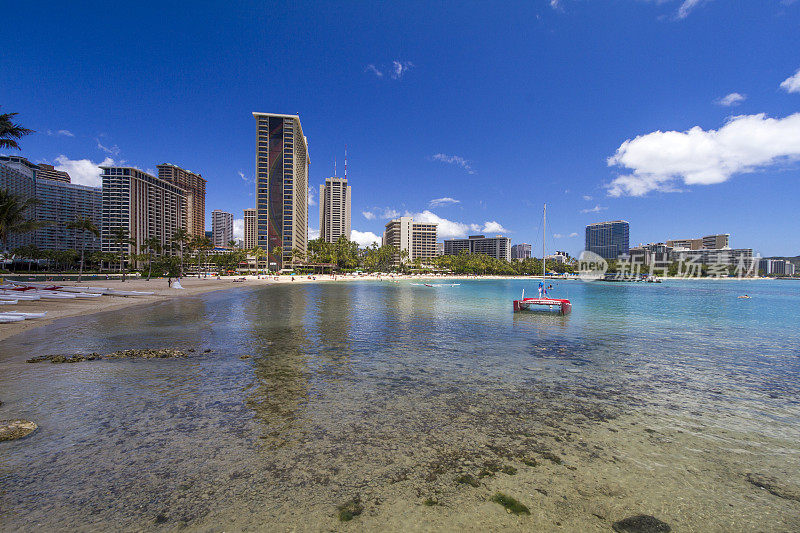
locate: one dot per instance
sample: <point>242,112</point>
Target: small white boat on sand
<point>6,318</point>
<point>26,315</point>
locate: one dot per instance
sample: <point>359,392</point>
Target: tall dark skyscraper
<point>609,240</point>
<point>281,186</point>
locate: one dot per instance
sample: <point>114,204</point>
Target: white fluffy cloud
<point>369,215</point>
<point>311,199</point>
<point>438,202</point>
<point>587,197</point>
<point>573,234</point>
<point>732,99</point>
<point>792,83</point>
<point>313,233</point>
<point>82,171</point>
<point>364,238</point>
<point>238,228</point>
<point>449,229</point>
<point>454,160</point>
<point>744,144</point>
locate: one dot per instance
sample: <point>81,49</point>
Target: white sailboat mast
<point>544,233</point>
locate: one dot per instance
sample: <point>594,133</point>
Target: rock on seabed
<point>16,429</point>
<point>641,524</point>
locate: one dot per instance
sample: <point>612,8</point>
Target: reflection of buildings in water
<point>281,363</point>
<point>332,310</point>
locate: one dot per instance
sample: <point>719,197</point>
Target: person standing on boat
<point>542,290</point>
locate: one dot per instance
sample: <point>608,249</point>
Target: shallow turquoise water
<point>371,369</point>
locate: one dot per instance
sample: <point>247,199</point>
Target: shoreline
<point>192,286</point>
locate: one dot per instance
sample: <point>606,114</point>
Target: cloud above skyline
<point>792,83</point>
<point>454,160</point>
<point>369,215</point>
<point>364,238</point>
<point>113,150</point>
<point>449,229</point>
<point>595,209</point>
<point>61,133</point>
<point>732,99</point>
<point>82,171</point>
<point>745,144</point>
<point>238,228</point>
<point>438,202</point>
<point>396,70</point>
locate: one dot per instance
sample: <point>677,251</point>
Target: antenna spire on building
<point>334,166</point>
<point>345,161</point>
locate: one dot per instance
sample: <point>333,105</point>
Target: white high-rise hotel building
<point>281,186</point>
<point>221,228</point>
<point>334,209</point>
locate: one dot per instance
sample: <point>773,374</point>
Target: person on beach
<point>169,282</point>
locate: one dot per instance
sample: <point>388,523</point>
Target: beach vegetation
<point>468,479</point>
<point>350,509</point>
<point>510,503</point>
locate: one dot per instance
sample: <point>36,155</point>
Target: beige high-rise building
<point>144,205</point>
<point>194,186</point>
<point>417,238</point>
<point>281,186</point>
<point>334,209</point>
<point>250,233</point>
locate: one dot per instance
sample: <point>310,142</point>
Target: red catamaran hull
<point>564,305</point>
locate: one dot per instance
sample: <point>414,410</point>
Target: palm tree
<point>13,216</point>
<point>277,251</point>
<point>201,244</point>
<point>181,236</point>
<point>231,244</point>
<point>153,245</point>
<point>259,253</point>
<point>122,238</point>
<point>82,225</point>
<point>9,131</point>
<point>297,255</point>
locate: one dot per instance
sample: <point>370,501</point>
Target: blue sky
<point>491,109</point>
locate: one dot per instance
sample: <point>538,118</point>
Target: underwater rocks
<point>163,353</point>
<point>641,524</point>
<point>16,429</point>
<point>773,486</point>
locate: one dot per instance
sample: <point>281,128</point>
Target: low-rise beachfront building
<point>709,242</point>
<point>776,267</point>
<point>418,239</point>
<point>497,247</point>
<point>144,205</point>
<point>62,202</point>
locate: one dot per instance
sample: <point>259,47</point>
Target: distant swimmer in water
<point>745,296</point>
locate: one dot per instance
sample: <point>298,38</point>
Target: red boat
<point>563,305</point>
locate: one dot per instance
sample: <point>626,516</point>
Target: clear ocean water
<point>390,390</point>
